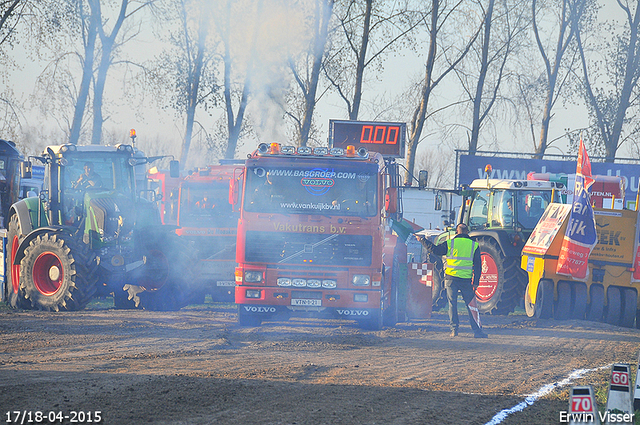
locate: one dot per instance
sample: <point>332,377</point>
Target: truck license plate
<point>313,303</point>
<point>225,283</point>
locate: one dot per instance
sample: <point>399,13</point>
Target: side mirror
<point>233,193</point>
<point>25,169</point>
<point>174,169</point>
<point>423,176</point>
<point>391,200</point>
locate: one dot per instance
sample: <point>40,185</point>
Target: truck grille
<point>308,249</point>
<point>215,248</point>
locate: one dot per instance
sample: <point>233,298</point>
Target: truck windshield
<point>339,188</point>
<point>206,205</point>
<point>96,171</point>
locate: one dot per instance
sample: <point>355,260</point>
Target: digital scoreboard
<point>387,138</point>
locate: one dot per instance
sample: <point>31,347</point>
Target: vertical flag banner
<point>580,236</point>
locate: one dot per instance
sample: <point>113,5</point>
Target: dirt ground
<point>197,366</point>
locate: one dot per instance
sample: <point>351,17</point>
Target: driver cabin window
<point>479,210</point>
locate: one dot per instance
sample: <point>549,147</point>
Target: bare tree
<point>237,73</point>
<point>366,32</point>
<point>609,105</point>
<point>556,75</point>
<point>306,73</point>
<point>482,73</point>
<point>195,57</point>
<point>89,23</point>
<point>447,60</point>
<point>108,46</point>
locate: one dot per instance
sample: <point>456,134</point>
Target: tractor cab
<point>508,204</point>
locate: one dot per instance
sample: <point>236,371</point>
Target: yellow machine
<point>610,292</point>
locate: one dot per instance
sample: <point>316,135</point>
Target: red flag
<point>580,236</point>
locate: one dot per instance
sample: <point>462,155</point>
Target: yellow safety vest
<point>459,257</point>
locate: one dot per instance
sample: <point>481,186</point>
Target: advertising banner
<point>547,229</point>
<point>580,236</point>
<point>472,167</point>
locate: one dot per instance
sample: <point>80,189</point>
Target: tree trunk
<point>108,43</point>
<point>320,41</point>
<point>194,85</point>
<point>419,115</point>
<point>484,66</point>
<point>630,80</point>
<point>85,83</point>
<point>357,95</point>
<point>98,93</point>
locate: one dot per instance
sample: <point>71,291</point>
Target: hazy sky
<point>155,124</point>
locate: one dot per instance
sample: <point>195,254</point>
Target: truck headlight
<point>299,283</point>
<point>314,283</point>
<point>329,283</point>
<point>361,280</point>
<point>252,276</point>
<point>284,281</point>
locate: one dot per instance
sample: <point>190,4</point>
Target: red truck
<point>198,204</point>
<point>314,235</point>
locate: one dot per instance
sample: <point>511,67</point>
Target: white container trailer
<point>430,208</point>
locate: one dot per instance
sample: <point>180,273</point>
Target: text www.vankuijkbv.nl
<point>309,206</point>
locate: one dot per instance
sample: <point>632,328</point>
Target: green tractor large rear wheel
<point>15,295</point>
<point>58,273</point>
<point>502,282</point>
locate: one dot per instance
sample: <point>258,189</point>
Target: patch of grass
<point>101,303</point>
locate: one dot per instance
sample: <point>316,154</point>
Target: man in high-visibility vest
<point>462,269</point>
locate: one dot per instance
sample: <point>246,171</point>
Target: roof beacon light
<point>274,149</point>
<point>488,169</point>
<point>351,151</point>
<point>263,148</point>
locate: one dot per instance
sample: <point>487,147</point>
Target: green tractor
<point>501,214</point>
<point>89,234</point>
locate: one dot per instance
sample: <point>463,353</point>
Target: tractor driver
<point>88,179</point>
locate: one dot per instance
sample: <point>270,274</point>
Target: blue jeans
<point>453,285</point>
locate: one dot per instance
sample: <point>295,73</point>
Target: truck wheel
<point>614,306</point>
<point>563,304</point>
<point>169,274</point>
<point>502,282</point>
<point>438,292</point>
<point>544,299</point>
<point>15,295</point>
<point>56,273</point>
<point>629,307</point>
<point>390,315</point>
<point>246,318</point>
<point>596,306</point>
<point>578,300</point>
